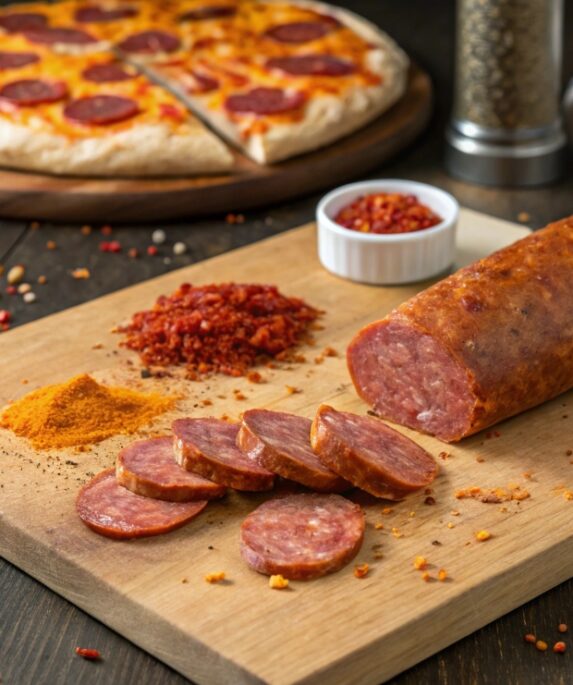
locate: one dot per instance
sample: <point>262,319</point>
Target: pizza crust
<point>141,151</point>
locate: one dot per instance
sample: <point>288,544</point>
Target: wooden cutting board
<point>99,200</point>
<point>339,629</point>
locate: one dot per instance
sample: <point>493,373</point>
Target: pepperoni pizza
<point>142,88</point>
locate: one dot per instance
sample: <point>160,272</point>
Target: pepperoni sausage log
<point>302,536</point>
<point>488,342</point>
<point>370,454</point>
<point>280,442</point>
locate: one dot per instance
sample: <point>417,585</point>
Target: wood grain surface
<point>37,196</point>
<point>213,634</point>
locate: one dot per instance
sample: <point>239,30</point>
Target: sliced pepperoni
<point>99,110</point>
<point>209,12</point>
<point>265,101</point>
<point>98,15</point>
<point>112,510</point>
<point>150,43</point>
<point>301,31</point>
<point>31,92</point>
<point>148,468</point>
<point>208,447</point>
<point>370,454</point>
<point>302,536</point>
<point>22,21</point>
<point>64,36</point>
<point>15,60</point>
<point>312,65</point>
<point>280,442</point>
<point>111,72</point>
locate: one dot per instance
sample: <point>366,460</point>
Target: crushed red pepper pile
<point>387,213</point>
<point>219,328</point>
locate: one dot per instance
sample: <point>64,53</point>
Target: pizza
<point>141,88</point>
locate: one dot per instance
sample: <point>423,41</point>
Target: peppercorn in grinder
<point>506,127</point>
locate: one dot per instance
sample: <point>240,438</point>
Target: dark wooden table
<point>38,629</point>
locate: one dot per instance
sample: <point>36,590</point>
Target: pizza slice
<point>278,79</point>
<point>93,115</point>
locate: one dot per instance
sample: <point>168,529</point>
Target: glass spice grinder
<point>506,127</point>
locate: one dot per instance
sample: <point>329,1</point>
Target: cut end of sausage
<point>410,379</point>
<point>302,536</point>
<point>113,511</point>
<point>369,454</point>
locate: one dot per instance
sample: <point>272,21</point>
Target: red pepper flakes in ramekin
<point>384,213</point>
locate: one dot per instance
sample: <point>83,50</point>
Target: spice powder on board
<point>81,412</point>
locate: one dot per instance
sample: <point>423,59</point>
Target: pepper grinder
<point>506,127</point>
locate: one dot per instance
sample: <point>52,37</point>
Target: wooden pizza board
<point>68,199</point>
<point>337,630</point>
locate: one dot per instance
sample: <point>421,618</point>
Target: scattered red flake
<point>224,328</point>
<point>5,316</point>
<point>89,654</point>
<point>387,213</point>
<point>11,290</point>
<point>255,377</point>
<point>152,250</point>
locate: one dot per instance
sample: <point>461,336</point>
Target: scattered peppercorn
<point>559,647</point>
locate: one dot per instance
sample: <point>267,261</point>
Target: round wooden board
<point>98,200</point>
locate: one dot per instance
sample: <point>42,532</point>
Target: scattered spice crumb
<point>429,500</point>
<point>568,495</point>
<point>42,280</point>
<point>454,512</point>
<point>291,390</point>
<point>387,510</point>
<point>426,577</point>
<point>184,580</point>
<point>133,253</point>
<point>523,217</point>
<point>559,647</point>
<point>541,645</point>
<point>329,352</point>
<point>480,460</point>
<point>412,514</point>
<point>361,571</point>
<point>529,637</point>
<point>436,543</point>
<point>207,402</point>
<point>97,346</point>
<point>216,577</point>
<point>444,455</point>
<point>483,535</point>
<point>442,575</point>
<point>451,525</point>
<point>562,627</point>
<point>396,533</point>
<point>319,359</point>
<point>51,245</point>
<point>568,453</point>
<point>420,563</point>
<point>379,526</point>
<point>81,273</point>
<point>86,230</point>
<point>494,495</point>
<point>278,582</point>
<point>254,377</point>
<point>34,225</point>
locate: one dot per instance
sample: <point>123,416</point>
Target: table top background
<point>38,629</point>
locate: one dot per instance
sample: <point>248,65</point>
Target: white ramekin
<point>391,258</point>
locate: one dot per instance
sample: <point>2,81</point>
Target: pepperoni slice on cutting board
<point>32,92</point>
<point>16,60</point>
<point>200,83</point>
<point>369,454</point>
<point>112,510</point>
<point>302,536</point>
<point>100,110</point>
<point>98,15</point>
<point>265,101</point>
<point>312,65</point>
<point>280,442</point>
<point>209,12</point>
<point>150,43</point>
<point>301,31</point>
<point>208,447</point>
<point>53,35</point>
<point>148,468</point>
<point>22,21</point>
<point>111,72</point>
